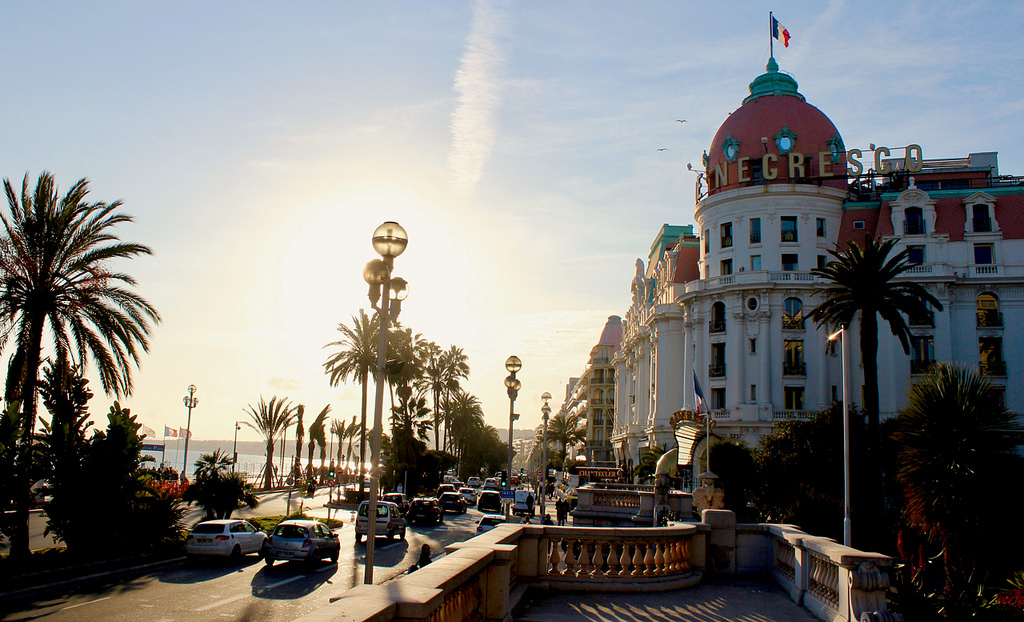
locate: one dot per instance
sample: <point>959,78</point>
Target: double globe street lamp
<point>513,365</point>
<point>546,412</point>
<point>191,401</point>
<point>389,241</point>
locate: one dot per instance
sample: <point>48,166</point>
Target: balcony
<point>921,367</point>
<point>794,368</point>
<point>990,318</point>
<point>913,227</point>
<point>992,368</point>
<point>716,326</point>
<point>716,370</point>
<point>793,322</point>
<point>755,237</point>
<point>789,236</point>
<point>922,319</point>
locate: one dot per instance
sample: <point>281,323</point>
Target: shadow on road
<point>291,580</point>
<point>200,570</point>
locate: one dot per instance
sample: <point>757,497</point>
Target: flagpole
<point>771,37</point>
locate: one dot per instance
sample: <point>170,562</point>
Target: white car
<point>390,521</point>
<point>469,495</point>
<point>474,482</point>
<point>224,538</point>
<point>488,522</point>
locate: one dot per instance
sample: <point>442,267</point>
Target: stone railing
<point>487,577</point>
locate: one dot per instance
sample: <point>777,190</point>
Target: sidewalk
<point>726,601</point>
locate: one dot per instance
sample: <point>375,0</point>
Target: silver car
<point>224,538</point>
<point>308,540</point>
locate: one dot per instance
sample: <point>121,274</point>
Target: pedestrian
<point>529,504</point>
<point>561,510</point>
<point>547,520</point>
<point>423,560</point>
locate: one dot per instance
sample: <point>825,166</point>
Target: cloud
<point>476,81</point>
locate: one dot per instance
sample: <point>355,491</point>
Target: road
<point>216,590</point>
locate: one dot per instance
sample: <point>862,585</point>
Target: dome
<point>775,137</point>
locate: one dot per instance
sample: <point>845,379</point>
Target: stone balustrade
<point>487,577</point>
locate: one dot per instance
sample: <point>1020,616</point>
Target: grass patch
<point>269,523</point>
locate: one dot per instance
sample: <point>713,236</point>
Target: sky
<point>530,149</point>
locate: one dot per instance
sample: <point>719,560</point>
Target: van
<point>524,503</point>
<point>390,521</point>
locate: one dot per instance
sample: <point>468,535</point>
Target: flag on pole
<point>182,432</point>
<point>169,431</point>
<point>699,393</point>
<point>780,33</point>
<point>147,431</point>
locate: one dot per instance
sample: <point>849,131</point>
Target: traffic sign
<point>508,493</point>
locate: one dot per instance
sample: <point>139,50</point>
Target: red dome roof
<point>775,120</point>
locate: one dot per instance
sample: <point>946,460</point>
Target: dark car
<point>489,502</point>
<point>443,488</point>
<point>453,502</point>
<point>398,499</point>
<point>425,510</point>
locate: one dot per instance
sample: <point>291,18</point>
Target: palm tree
<point>466,417</point>
<point>565,429</point>
<point>356,356</point>
<point>863,280</point>
<point>300,434</point>
<point>269,420</point>
<point>432,382</point>
<point>317,436</point>
<point>954,449</point>
<point>339,429</point>
<point>455,367</point>
<point>55,274</point>
<point>410,427</point>
<point>216,489</point>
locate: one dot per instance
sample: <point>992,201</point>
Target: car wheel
<point>269,561</point>
<point>359,538</point>
<point>335,554</point>
<point>236,554</point>
<point>391,535</point>
<point>402,537</point>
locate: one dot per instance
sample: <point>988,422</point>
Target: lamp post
<point>191,401</point>
<point>234,448</point>
<point>841,335</point>
<point>389,240</point>
<point>513,365</point>
<point>546,412</point>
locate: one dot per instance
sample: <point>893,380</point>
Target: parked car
<point>489,501</point>
<point>425,510</point>
<point>224,538</point>
<point>398,499</point>
<point>468,494</point>
<point>453,502</point>
<point>443,488</point>
<point>474,482</point>
<point>390,521</point>
<point>308,540</point>
<point>488,522</point>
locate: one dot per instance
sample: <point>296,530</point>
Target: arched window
<point>793,315</point>
<point>913,223</point>
<point>988,310</point>
<point>717,323</point>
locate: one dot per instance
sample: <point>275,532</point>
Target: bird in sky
<point>663,149</point>
<point>680,120</point>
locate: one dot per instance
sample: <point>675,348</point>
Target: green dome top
<point>773,83</point>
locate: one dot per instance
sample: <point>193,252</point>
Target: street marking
<point>86,603</point>
<point>221,602</point>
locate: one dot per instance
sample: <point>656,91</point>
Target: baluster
<point>659,559</point>
<point>584,568</point>
<point>624,560</point>
<point>613,560</point>
<point>555,556</point>
<point>598,560</point>
<point>570,556</point>
<point>649,565</point>
<point>638,560</point>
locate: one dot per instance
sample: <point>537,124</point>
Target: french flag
<point>699,393</point>
<point>168,431</point>
<point>780,33</point>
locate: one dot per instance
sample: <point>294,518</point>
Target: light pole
<point>234,448</point>
<point>389,240</point>
<point>512,364</point>
<point>841,335</point>
<point>546,411</point>
<point>191,401</point>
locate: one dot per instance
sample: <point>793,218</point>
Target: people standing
<point>561,510</point>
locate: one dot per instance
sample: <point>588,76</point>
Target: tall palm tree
<point>466,418</point>
<point>954,449</point>
<point>863,281</point>
<point>432,381</point>
<point>318,437</point>
<point>455,367</point>
<point>270,420</point>
<point>55,276</point>
<point>340,429</point>
<point>565,429</point>
<point>300,433</point>
<point>216,489</point>
<point>356,356</point>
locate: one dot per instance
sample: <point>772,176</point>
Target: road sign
<point>508,493</point>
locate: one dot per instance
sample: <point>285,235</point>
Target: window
<point>820,227</point>
<point>835,393</point>
<point>726,235</point>
<point>717,367</point>
<point>858,225</point>
<point>726,267</point>
<point>755,263</point>
<point>789,262</point>
<point>990,356</point>
<point>913,221</point>
<point>718,398</point>
<point>717,324</point>
<point>793,363</point>
<point>753,393</point>
<point>982,223</point>
<point>822,261</point>
<point>793,314</point>
<point>789,229</point>
<point>707,241</point>
<point>753,345</point>
<point>915,255</point>
<point>988,311</point>
<point>922,354</point>
<point>755,230</point>
<point>982,254</point>
<point>794,397</point>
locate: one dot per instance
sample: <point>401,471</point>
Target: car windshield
<point>491,522</point>
<point>208,528</point>
<point>290,531</point>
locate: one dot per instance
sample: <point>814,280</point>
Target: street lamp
<point>512,364</point>
<point>191,401</point>
<point>389,240</point>
<point>234,447</point>
<point>841,335</point>
<point>546,411</point>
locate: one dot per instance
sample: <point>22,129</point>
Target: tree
<point>565,429</point>
<point>317,436</point>
<point>466,421</point>
<point>734,466</point>
<point>410,425</point>
<point>648,461</point>
<point>455,367</point>
<point>300,434</point>
<point>356,356</point>
<point>216,489</point>
<point>55,277</point>
<point>269,420</point>
<point>954,451</point>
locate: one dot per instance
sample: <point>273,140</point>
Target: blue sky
<point>259,144</point>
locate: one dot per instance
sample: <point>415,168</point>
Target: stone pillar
<point>721,542</point>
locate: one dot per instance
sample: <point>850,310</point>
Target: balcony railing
<point>716,326</point>
<point>993,368</point>
<point>755,237</point>
<point>802,415</point>
<point>794,368</point>
<point>716,370</point>
<point>921,367</point>
<point>989,318</point>
<point>793,322</point>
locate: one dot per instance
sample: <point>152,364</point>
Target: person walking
<point>561,511</point>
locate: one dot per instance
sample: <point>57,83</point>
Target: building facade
<point>726,305</point>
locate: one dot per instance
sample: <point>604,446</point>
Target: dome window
<point>785,140</point>
<point>731,148</point>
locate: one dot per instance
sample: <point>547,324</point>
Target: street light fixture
<point>389,240</point>
<point>546,411</point>
<point>841,335</point>
<point>234,447</point>
<point>191,401</point>
<point>513,365</point>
